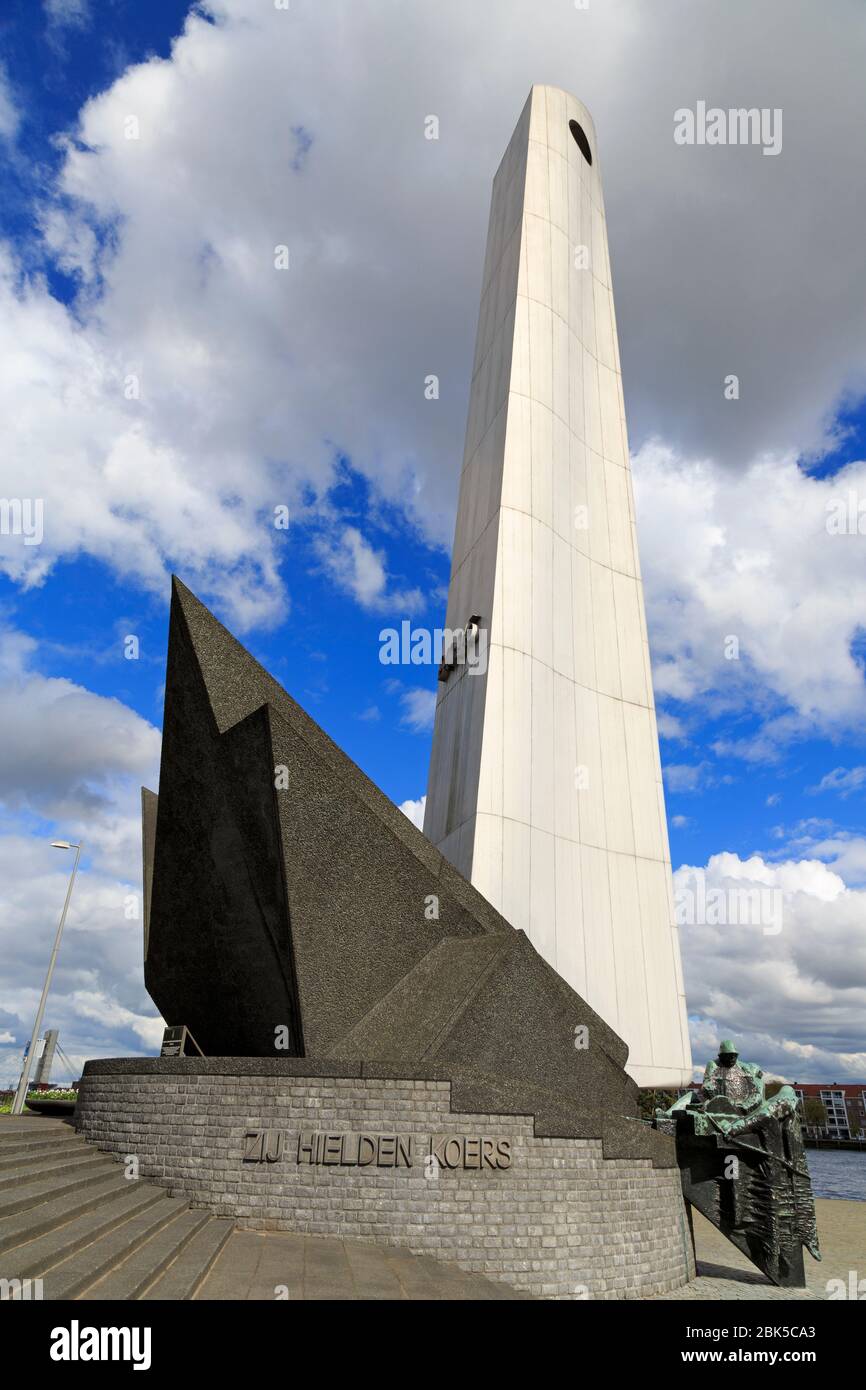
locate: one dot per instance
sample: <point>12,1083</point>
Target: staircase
<point>70,1217</point>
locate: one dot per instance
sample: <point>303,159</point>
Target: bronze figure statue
<point>743,1164</point>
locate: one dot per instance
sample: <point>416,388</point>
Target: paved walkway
<point>273,1265</point>
<point>270,1265</point>
<point>726,1274</point>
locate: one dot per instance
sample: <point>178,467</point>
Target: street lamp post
<point>21,1093</point>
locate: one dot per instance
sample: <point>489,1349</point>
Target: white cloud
<point>795,1000</point>
<point>253,381</point>
<point>420,710</point>
<point>843,780</point>
<point>753,561</point>
<point>415,810</point>
<point>73,765</point>
<point>782,1059</point>
<point>109,481</point>
<point>360,570</point>
<point>72,14</point>
<point>847,853</point>
<point>72,757</point>
<point>111,1015</point>
<point>843,849</point>
<point>9,114</point>
<point>669,726</point>
<point>791,876</point>
<point>686,777</point>
<point>194,387</point>
<point>99,958</point>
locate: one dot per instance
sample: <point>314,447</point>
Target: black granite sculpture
<point>744,1167</point>
<point>293,910</point>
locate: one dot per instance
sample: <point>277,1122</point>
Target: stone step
<point>38,1251</point>
<point>41,1168</point>
<point>70,1217</point>
<point>11,1150</point>
<point>31,1126</point>
<point>187,1273</point>
<point>75,1274</point>
<point>18,1127</point>
<point>143,1266</point>
<point>34,1221</point>
<point>81,1173</point>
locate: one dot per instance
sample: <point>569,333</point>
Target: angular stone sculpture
<point>744,1166</point>
<point>295,911</point>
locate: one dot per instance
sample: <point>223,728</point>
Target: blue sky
<point>82,612</point>
<point>152,258</point>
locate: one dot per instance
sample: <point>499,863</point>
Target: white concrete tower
<point>545,781</point>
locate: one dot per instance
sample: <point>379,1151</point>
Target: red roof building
<point>844,1107</point>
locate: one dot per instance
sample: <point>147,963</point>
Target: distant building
<point>844,1105</point>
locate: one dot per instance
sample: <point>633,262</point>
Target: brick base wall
<point>561,1221</point>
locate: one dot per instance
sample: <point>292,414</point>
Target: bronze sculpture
<point>743,1164</point>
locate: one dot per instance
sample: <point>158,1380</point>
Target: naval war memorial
<point>435,1041</point>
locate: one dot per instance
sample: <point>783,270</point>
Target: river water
<point>838,1173</point>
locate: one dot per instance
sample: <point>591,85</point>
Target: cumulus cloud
<point>99,959</point>
<point>415,810</point>
<point>73,765</point>
<point>72,757</point>
<point>757,605</point>
<point>107,482</point>
<point>793,998</point>
<point>195,385</point>
<point>782,1059</point>
<point>843,849</point>
<point>111,1015</point>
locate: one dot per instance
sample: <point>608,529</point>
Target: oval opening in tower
<point>581,140</point>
